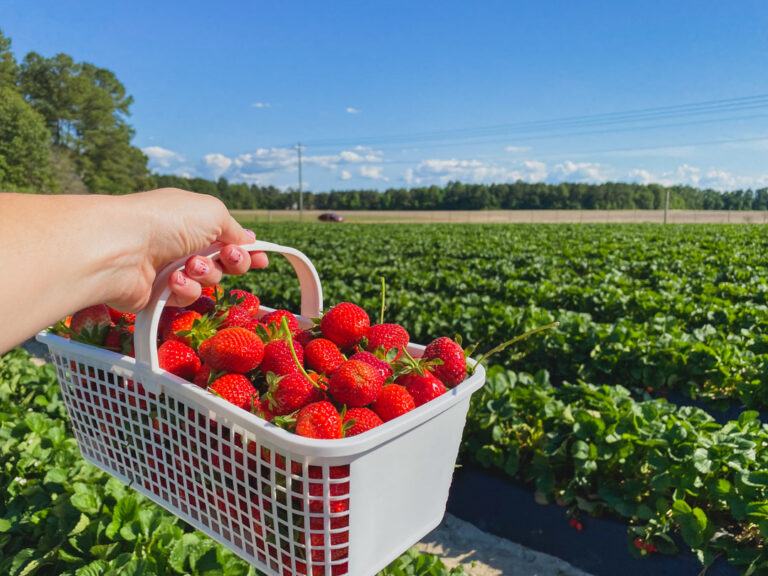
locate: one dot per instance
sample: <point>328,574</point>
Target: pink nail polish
<point>181,280</point>
<point>251,233</point>
<point>200,267</point>
<point>235,256</point>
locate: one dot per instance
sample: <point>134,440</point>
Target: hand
<point>175,224</point>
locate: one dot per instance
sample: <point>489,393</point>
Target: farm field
<point>578,412</point>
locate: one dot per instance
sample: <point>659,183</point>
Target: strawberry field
<point>578,412</point>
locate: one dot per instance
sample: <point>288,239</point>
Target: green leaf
<point>87,502</point>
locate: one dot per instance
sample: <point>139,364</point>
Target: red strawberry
<point>453,370</point>
<point>237,389</point>
<point>355,384</point>
<point>120,340</point>
<point>289,393</point>
<point>91,324</point>
<point>178,358</point>
<point>237,316</point>
<point>249,301</point>
<point>166,317</point>
<point>182,322</point>
<point>393,401</point>
<point>387,336</point>
<point>232,350</point>
<point>214,292</point>
<point>279,360</point>
<point>303,337</point>
<point>422,388</point>
<point>117,317</point>
<point>203,305</point>
<point>319,420</point>
<point>345,324</point>
<point>369,358</point>
<point>277,316</point>
<point>363,420</point>
<point>323,356</point>
<point>203,376</point>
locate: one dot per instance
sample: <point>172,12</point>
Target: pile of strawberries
<point>339,378</point>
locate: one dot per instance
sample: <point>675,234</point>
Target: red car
<point>330,217</point>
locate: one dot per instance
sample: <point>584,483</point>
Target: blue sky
<point>391,94</point>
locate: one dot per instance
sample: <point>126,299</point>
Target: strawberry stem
<point>514,340</point>
<point>383,294</point>
<point>289,337</point>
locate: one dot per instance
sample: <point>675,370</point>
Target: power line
<point>559,127</point>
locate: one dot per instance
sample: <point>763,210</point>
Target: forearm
<point>59,254</point>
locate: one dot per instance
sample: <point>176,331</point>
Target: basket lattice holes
<point>288,514</point>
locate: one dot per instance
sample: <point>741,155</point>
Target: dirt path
<point>481,554</point>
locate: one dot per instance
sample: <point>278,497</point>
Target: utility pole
<point>301,194</point>
<point>666,206</point>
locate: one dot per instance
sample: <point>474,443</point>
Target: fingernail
<point>200,267</point>
<point>235,256</point>
<point>251,233</point>
<point>181,280</point>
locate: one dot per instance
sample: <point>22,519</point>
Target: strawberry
<point>303,337</point>
<point>117,317</point>
<point>232,350</point>
<point>278,358</point>
<point>179,359</point>
<point>319,420</point>
<point>289,393</point>
<point>386,336</point>
<point>323,356</point>
<point>182,322</point>
<point>237,389</point>
<point>90,325</point>
<point>345,324</point>
<point>362,420</point>
<point>381,365</point>
<point>453,370</point>
<point>215,292</point>
<point>423,388</point>
<point>246,300</point>
<point>393,401</point>
<point>203,305</point>
<point>277,316</point>
<point>166,317</point>
<point>120,340</point>
<point>236,316</point>
<point>355,384</point>
<point>203,376</point>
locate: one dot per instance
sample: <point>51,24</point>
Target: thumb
<point>233,233</point>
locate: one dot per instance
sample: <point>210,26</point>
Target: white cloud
<point>580,172</point>
<point>517,149</point>
<point>715,178</point>
<point>442,171</point>
<point>261,105</point>
<point>345,175</point>
<point>351,110</point>
<point>372,172</point>
<point>410,178</point>
<point>162,157</point>
<point>217,164</point>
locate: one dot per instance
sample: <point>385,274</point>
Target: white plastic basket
<point>286,504</point>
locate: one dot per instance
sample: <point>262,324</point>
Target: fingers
<point>203,270</point>
<point>234,260</point>
<point>184,290</point>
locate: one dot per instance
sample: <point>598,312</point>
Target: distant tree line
<point>458,196</point>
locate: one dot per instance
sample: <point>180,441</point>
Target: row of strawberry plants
<point>671,472</point>
<point>683,323</point>
<point>60,515</point>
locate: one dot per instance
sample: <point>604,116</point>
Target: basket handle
<point>147,320</point>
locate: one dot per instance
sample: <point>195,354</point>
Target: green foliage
<point>24,152</point>
<point>667,470</point>
<point>655,309</point>
<point>8,66</point>
<point>60,515</point>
